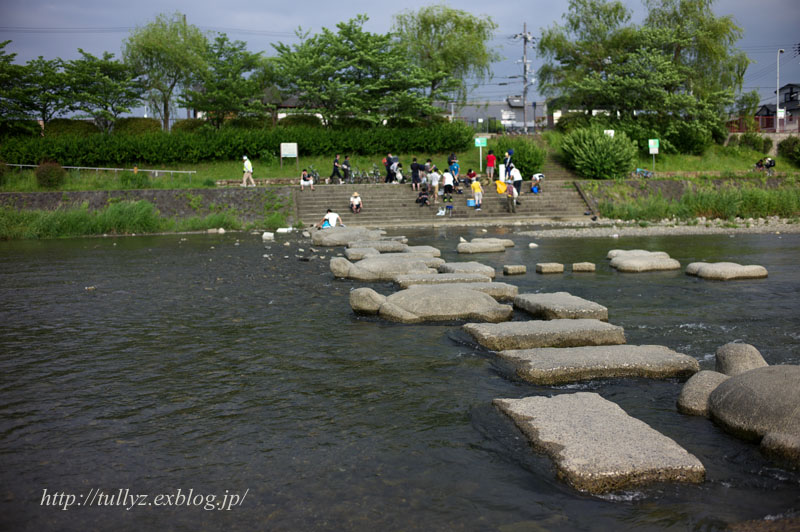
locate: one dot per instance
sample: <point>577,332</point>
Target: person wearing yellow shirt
<point>477,193</point>
<point>248,172</point>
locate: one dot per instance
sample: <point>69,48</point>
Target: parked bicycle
<point>641,172</point>
<point>314,174</point>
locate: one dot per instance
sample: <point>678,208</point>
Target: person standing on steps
<point>516,180</point>
<point>248,172</point>
<point>415,178</point>
<point>434,176</point>
<point>447,179</point>
<point>511,199</point>
<point>336,166</point>
<point>346,167</point>
<point>477,193</point>
<point>491,161</point>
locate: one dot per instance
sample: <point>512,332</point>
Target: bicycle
<point>314,174</point>
<point>376,173</point>
<point>641,172</point>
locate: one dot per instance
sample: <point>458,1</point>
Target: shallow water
<point>199,364</point>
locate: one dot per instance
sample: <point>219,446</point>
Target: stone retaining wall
<point>249,204</point>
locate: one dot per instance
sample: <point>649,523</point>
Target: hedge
<point>227,144</point>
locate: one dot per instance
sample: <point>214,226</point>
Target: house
<point>789,99</point>
<point>509,113</point>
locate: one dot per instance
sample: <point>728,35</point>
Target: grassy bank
<point>725,203</point>
<point>125,217</point>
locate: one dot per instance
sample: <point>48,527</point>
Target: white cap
<point>244,157</point>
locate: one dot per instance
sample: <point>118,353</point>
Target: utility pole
<point>526,38</point>
<point>778,92</point>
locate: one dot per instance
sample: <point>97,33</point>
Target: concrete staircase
<point>394,205</point>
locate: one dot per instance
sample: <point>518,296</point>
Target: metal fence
<point>115,170</point>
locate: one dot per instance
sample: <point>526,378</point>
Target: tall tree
<point>353,73</point>
<point>166,53</point>
<point>224,88</point>
<point>449,44</point>
<point>12,111</point>
<point>43,89</point>
<point>103,87</point>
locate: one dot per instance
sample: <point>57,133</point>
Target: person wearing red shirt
<point>491,161</point>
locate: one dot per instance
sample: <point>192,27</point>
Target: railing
<point>115,170</point>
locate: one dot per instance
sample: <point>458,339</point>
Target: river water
<point>195,363</point>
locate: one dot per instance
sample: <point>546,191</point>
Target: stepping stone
<point>485,245</point>
<point>596,446</point>
<point>507,242</point>
<point>383,267</point>
<point>560,305</point>
<point>341,236</point>
<point>693,399</point>
<point>583,267</point>
<point>434,252</point>
<point>549,366</point>
<point>514,269</point>
<point>467,267</point>
<point>553,333</point>
<point>640,260</point>
<point>499,291</point>
<point>410,279</point>
<point>360,253</point>
<point>384,246</point>
<point>725,271</point>
<point>430,303</point>
<point>549,267</point>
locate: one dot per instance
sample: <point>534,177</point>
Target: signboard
<point>781,114</point>
<point>480,142</point>
<point>289,149</point>
<point>609,132</point>
<point>653,144</point>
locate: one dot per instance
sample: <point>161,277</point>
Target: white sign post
<point>480,142</point>
<point>653,144</point>
<point>288,150</point>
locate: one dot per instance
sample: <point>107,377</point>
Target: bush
<point>571,121</point>
<point>50,175</point>
<point>189,125</point>
<point>689,137</point>
<point>249,122</point>
<point>788,146</point>
<point>594,154</point>
<point>528,157</point>
<point>300,120</point>
<point>19,128</point>
<point>755,142</point>
<point>3,171</point>
<point>134,180</point>
<point>65,126</point>
<point>136,126</point>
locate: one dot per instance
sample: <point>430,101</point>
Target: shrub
<point>788,146</point>
<point>134,180</point>
<point>19,128</point>
<point>755,142</point>
<point>136,126</point>
<point>300,120</point>
<point>65,126</point>
<point>689,137</point>
<point>249,122</point>
<point>571,121</point>
<point>3,171</point>
<point>528,157</point>
<point>594,154</point>
<point>50,175</point>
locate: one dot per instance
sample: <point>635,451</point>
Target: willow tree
<point>449,44</point>
<point>165,52</point>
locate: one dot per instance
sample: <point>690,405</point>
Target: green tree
<point>103,87</point>
<point>13,114</point>
<point>166,53</point>
<point>43,90</point>
<point>352,74</point>
<point>449,44</point>
<point>224,88</point>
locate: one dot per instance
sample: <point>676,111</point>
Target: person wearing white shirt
<point>434,176</point>
<point>447,180</point>
<point>516,182</point>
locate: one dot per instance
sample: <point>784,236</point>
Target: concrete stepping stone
<point>410,279</point>
<point>549,366</point>
<point>341,236</point>
<point>467,267</point>
<point>430,303</point>
<point>596,446</point>
<point>499,291</point>
<point>435,252</point>
<point>514,269</point>
<point>560,305</point>
<point>583,267</point>
<point>384,267</point>
<point>383,246</point>
<point>553,333</point>
<point>360,253</point>
<point>485,245</point>
<point>640,260</point>
<point>549,267</point>
<point>725,271</point>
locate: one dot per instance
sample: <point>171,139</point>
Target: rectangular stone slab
<point>560,305</point>
<point>553,333</point>
<point>411,279</point>
<point>551,365</point>
<point>596,446</point>
<point>549,267</point>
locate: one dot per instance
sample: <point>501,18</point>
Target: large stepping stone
<point>467,267</point>
<point>360,253</point>
<point>725,271</point>
<point>762,404</point>
<point>430,303</point>
<point>640,260</point>
<point>484,245</point>
<point>735,358</point>
<point>341,236</point>
<point>499,291</point>
<point>410,279</point>
<point>693,399</point>
<point>560,305</point>
<point>383,246</point>
<point>553,333</point>
<point>384,267</point>
<point>430,250</point>
<point>596,446</point>
<point>550,365</point>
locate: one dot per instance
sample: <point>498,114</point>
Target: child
<point>477,193</point>
<point>423,198</point>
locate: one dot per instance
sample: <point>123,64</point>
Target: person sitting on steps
<point>306,180</point>
<point>355,203</point>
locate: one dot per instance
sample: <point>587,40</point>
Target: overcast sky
<point>58,28</point>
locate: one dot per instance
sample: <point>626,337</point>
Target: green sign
<point>480,142</point>
<point>653,143</point>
